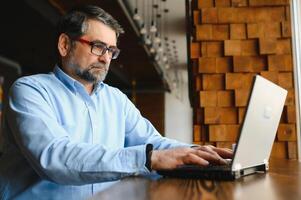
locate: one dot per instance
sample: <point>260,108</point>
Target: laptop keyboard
<point>212,171</point>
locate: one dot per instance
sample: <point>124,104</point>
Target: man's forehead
<point>98,31</point>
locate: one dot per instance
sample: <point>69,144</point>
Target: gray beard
<point>87,73</point>
<point>88,76</point>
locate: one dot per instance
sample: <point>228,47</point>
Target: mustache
<point>98,65</point>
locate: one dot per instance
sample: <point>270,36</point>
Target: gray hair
<point>74,23</point>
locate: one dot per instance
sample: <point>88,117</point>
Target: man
<point>67,132</point>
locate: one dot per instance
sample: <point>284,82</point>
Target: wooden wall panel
<point>239,80</point>
<point>280,63</point>
<point>268,2</point>
<point>223,64</point>
<point>213,82</point>
<point>223,133</point>
<point>270,75</point>
<point>234,41</point>
<point>251,15</point>
<point>205,4</point>
<point>215,115</point>
<point>238,31</point>
<point>195,50</point>
<point>208,98</point>
<point>225,99</point>
<point>239,3</point>
<point>209,15</point>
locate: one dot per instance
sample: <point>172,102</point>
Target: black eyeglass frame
<point>102,47</point>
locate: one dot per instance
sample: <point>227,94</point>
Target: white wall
<point>178,116</point>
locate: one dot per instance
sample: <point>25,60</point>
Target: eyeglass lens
<point>101,49</point>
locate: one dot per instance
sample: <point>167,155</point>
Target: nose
<point>105,57</point>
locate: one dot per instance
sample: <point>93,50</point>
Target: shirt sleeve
<point>139,130</point>
<point>51,153</point>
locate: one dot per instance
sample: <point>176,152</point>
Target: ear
<point>63,44</point>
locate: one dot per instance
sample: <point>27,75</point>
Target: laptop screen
<point>260,124</point>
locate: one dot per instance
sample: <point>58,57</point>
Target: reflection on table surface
<point>283,181</point>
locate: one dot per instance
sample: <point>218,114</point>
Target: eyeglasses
<point>100,48</point>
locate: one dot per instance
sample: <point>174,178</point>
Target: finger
<point>194,159</point>
<point>223,152</point>
<point>210,150</point>
<point>207,155</point>
<point>226,149</point>
<point>213,156</point>
<point>219,153</point>
<point>210,157</point>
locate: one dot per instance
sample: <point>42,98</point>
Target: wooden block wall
<point>233,40</point>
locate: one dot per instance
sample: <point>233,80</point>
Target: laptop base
<point>210,173</point>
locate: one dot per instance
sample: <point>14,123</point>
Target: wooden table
<point>283,181</point>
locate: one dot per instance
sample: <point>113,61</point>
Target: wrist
<point>154,159</point>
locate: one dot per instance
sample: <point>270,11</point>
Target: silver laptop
<point>256,137</point>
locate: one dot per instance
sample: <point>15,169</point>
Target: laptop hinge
<point>237,167</point>
<point>251,170</point>
<point>266,162</point>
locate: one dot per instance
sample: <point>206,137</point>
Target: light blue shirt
<point>59,142</point>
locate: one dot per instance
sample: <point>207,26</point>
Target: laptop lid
<point>260,125</point>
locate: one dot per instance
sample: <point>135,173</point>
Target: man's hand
<point>199,155</point>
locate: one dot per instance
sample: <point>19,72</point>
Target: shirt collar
<point>98,86</point>
<point>71,83</point>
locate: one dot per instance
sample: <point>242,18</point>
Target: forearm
<point>65,162</point>
<point>54,156</point>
